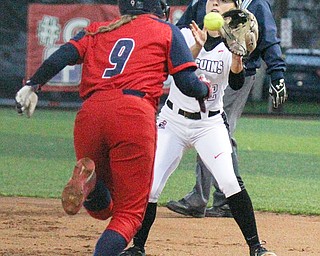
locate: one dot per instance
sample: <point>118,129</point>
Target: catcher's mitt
<point>240,31</point>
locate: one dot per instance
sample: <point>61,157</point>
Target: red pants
<point>118,132</point>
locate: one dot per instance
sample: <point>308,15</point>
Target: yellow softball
<point>213,21</point>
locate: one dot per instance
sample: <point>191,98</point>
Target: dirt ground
<point>30,226</point>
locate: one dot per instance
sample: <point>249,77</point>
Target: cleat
<point>219,212</point>
<point>184,208</point>
<point>79,186</point>
<point>261,251</point>
<point>133,251</point>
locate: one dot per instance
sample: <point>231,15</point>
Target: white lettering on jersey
<point>211,66</point>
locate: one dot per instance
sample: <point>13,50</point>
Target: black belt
<point>134,92</point>
<point>124,91</point>
<point>189,115</point>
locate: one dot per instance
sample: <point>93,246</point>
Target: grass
<point>279,160</point>
<point>289,108</point>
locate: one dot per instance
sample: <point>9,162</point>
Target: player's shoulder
<point>187,34</point>
<point>186,31</point>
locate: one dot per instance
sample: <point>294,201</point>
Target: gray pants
<point>234,102</point>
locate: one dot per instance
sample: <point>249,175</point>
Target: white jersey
<point>181,125</point>
<point>215,65</point>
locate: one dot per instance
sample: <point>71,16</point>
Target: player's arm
<point>190,85</point>
<point>26,98</point>
<point>200,37</point>
<point>236,74</point>
<point>67,54</point>
<point>269,43</point>
<point>182,66</point>
<point>269,47</point>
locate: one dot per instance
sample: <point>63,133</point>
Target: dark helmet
<point>136,7</point>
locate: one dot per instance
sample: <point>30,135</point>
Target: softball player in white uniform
<point>181,125</point>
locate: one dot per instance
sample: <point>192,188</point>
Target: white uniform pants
<point>209,136</point>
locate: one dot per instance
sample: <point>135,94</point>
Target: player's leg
<point>89,142</point>
<point>89,170</point>
<point>131,141</point>
<point>219,161</point>
<point>124,156</point>
<point>88,145</point>
<point>220,207</point>
<point>81,183</point>
<point>169,152</point>
<point>194,203</point>
<point>234,103</point>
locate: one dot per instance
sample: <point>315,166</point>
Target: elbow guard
<point>236,81</point>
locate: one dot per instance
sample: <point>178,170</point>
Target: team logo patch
<point>162,124</point>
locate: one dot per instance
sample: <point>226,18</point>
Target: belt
<point>124,91</point>
<point>134,92</point>
<point>189,115</point>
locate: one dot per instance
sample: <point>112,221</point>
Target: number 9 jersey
<point>110,56</point>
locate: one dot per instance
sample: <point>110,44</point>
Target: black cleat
<point>183,207</point>
<point>219,212</point>
<point>133,251</point>
<point>260,251</point>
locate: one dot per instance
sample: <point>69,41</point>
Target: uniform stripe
<point>194,2</point>
<point>245,4</point>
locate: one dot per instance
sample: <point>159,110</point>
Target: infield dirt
<point>30,226</point>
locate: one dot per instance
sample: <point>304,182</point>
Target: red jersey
<point>138,55</point>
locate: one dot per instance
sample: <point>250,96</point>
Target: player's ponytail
<point>124,19</point>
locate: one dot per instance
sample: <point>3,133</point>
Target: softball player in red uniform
<point>125,63</point>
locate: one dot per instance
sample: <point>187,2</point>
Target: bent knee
<point>126,224</point>
<point>230,188</point>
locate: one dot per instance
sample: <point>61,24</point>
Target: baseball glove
<point>240,31</point>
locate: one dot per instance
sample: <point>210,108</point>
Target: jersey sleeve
<point>180,55</point>
<point>187,34</point>
<point>81,40</point>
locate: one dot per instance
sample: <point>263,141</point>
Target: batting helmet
<point>136,7</point>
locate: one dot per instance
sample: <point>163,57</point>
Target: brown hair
<point>112,26</point>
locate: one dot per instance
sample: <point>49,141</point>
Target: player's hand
<point>278,92</point>
<point>204,80</point>
<point>26,100</point>
<point>200,36</point>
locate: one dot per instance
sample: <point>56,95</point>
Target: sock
<point>99,198</point>
<point>110,243</point>
<point>141,237</point>
<point>242,211</point>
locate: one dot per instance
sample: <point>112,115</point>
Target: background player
<point>268,49</point>
<point>182,125</point>
<point>125,63</point>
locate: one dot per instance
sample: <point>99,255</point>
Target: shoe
<point>219,212</point>
<point>133,251</point>
<point>261,251</point>
<point>183,207</point>
<point>81,183</point>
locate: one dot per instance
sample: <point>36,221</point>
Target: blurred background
<point>298,28</point>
